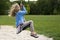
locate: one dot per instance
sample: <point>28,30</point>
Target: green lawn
<point>48,25</point>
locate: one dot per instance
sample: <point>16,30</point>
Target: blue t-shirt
<point>20,16</point>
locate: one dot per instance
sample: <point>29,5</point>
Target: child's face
<point>17,7</point>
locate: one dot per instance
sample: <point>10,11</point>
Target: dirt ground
<point>9,33</point>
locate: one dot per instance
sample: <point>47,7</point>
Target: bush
<point>4,5</point>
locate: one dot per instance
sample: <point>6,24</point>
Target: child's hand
<point>21,5</point>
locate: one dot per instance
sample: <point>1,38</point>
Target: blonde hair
<point>12,9</point>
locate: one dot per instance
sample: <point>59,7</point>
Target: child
<point>20,22</point>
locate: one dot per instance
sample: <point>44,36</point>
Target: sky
<point>31,0</point>
<point>25,0</point>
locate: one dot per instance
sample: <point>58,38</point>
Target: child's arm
<point>23,11</point>
<point>24,19</point>
<point>23,8</point>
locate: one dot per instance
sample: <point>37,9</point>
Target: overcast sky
<point>31,0</point>
<point>25,0</point>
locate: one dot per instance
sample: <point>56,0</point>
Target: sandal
<point>34,35</point>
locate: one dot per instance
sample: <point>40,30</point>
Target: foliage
<point>45,7</point>
<point>41,7</point>
<point>4,6</point>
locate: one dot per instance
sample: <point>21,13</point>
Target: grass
<point>48,25</point>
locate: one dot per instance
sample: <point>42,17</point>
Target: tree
<point>47,7</point>
<point>4,6</point>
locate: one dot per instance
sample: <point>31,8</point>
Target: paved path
<point>9,33</point>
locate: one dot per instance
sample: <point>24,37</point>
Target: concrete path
<point>9,33</point>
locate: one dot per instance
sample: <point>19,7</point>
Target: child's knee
<point>30,21</point>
